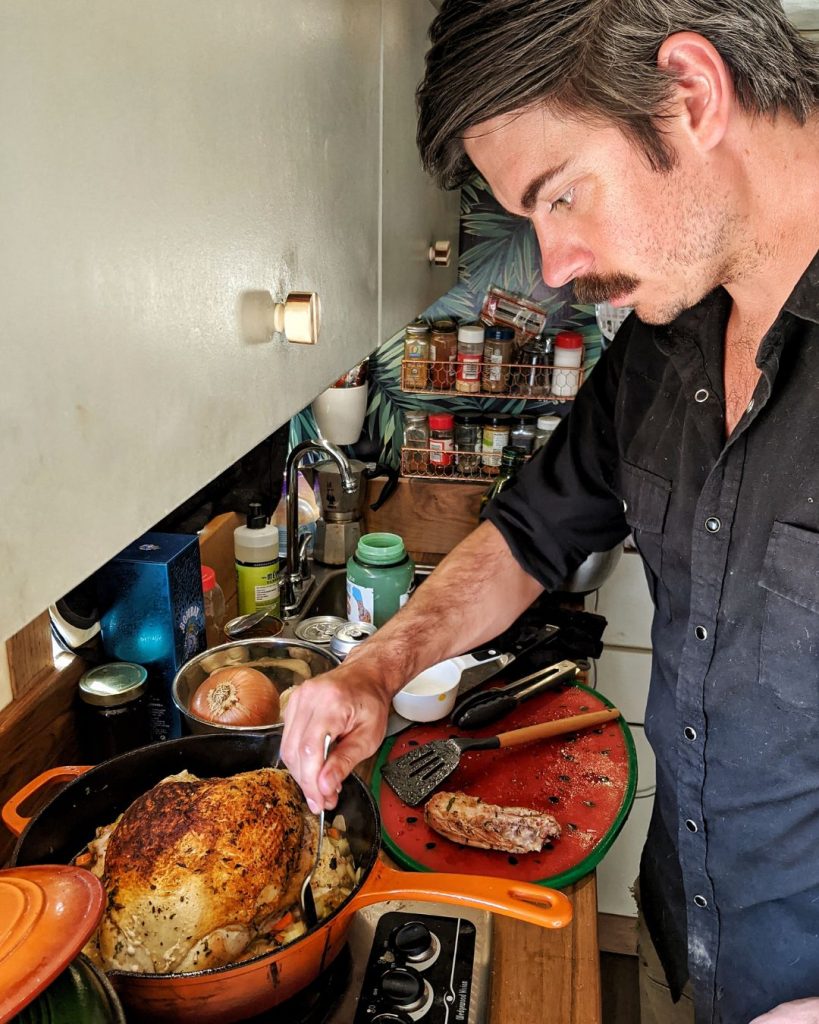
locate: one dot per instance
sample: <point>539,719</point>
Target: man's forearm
<point>474,594</point>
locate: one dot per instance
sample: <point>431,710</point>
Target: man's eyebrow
<point>529,197</point>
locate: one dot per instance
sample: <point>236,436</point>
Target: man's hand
<point>348,706</point>
<point>800,1011</point>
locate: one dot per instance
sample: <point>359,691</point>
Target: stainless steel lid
<point>350,635</point>
<point>319,629</point>
<point>116,683</point>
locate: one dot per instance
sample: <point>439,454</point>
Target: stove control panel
<point>420,969</point>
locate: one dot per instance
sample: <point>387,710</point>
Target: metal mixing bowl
<point>285,662</point>
<point>592,573</point>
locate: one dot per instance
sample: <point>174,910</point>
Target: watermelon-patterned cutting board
<point>586,780</point>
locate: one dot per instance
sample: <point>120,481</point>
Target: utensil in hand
<point>415,775</point>
<point>308,903</point>
<point>487,706</point>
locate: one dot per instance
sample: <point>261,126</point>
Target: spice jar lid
<point>499,334</point>
<point>444,326</point>
<point>208,578</point>
<point>441,420</point>
<point>497,419</point>
<point>547,422</point>
<point>415,415</point>
<point>417,327</point>
<point>116,683</point>
<point>471,333</point>
<point>468,418</point>
<point>569,339</point>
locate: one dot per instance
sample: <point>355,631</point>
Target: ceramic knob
<point>440,253</point>
<point>298,318</point>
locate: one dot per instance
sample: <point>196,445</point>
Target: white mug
<point>339,413</point>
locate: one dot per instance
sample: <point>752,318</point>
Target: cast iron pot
<point>97,795</point>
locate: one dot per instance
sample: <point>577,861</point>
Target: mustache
<point>602,287</point>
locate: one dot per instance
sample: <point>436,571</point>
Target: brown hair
<point>598,59</point>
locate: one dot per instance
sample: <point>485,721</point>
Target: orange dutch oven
<point>96,796</point>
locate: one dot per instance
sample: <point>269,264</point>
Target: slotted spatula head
<point>415,775</point>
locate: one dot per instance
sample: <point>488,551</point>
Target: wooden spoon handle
<point>559,727</point>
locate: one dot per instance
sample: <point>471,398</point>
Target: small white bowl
<point>431,694</point>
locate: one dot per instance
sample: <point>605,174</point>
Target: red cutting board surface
<point>586,780</point>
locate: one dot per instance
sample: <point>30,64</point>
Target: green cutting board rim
<point>583,867</point>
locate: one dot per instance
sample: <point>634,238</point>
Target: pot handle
<point>524,901</point>
<point>12,819</point>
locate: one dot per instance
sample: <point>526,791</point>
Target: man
<point>666,154</point>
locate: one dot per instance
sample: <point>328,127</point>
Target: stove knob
<point>392,1018</point>
<point>413,940</point>
<point>403,987</point>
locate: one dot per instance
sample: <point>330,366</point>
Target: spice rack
<point>540,383</point>
<point>416,462</point>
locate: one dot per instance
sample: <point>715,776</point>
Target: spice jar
<point>499,343</point>
<point>441,439</point>
<point>534,370</point>
<point>416,355</point>
<point>468,443</point>
<point>416,429</point>
<point>522,433</point>
<point>214,600</point>
<point>114,710</point>
<point>380,575</point>
<point>443,351</point>
<point>544,430</point>
<point>470,354</point>
<point>568,358</point>
<point>495,439</point>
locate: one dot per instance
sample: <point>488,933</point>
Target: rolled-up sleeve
<point>562,505</point>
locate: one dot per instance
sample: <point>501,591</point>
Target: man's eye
<point>566,200</point>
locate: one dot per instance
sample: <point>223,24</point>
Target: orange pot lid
<point>47,914</point>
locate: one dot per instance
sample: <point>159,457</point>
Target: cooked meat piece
<point>192,866</point>
<point>467,819</point>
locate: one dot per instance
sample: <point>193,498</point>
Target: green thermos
<point>379,578</point>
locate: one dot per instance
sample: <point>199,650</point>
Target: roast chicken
<point>196,868</point>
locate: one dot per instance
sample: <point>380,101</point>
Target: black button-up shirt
<point>729,535</point>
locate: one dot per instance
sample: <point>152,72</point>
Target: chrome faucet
<point>297,579</point>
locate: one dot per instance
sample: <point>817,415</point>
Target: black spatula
<point>415,775</point>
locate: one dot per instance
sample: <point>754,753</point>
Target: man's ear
<point>704,90</point>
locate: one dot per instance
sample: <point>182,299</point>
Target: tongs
<point>487,706</point>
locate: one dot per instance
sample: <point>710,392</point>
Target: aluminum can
<point>350,635</point>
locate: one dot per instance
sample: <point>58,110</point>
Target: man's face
<point>657,241</point>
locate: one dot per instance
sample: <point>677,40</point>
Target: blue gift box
<point>150,595</point>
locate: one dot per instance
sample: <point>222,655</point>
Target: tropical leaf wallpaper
<point>496,249</point>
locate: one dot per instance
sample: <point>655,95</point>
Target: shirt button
<point>689,733</point>
<point>712,524</point>
<point>701,901</point>
<point>701,395</point>
<point>691,825</point>
<point>701,633</point>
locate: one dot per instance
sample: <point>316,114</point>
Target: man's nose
<point>562,258</point>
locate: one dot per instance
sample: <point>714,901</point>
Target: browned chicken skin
<point>193,867</point>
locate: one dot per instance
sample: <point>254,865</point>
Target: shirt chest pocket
<point>789,645</point>
<point>645,503</point>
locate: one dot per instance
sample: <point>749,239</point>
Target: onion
<point>237,696</point>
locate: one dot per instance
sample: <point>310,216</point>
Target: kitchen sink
<point>329,593</point>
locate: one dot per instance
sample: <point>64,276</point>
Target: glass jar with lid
<point>443,353</point>
<point>416,355</point>
<point>470,356</point>
<point>496,428</point>
<point>115,717</point>
<point>544,430</point>
<point>522,433</point>
<point>441,439</point>
<point>498,349</point>
<point>468,443</point>
<point>416,429</point>
<point>534,369</point>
